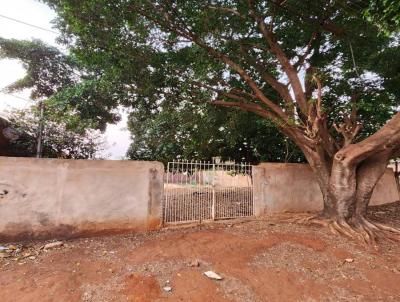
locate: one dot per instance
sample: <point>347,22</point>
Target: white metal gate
<point>196,191</point>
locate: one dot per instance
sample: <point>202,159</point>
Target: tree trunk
<point>321,170</point>
<point>342,189</point>
<point>347,179</point>
<point>320,164</point>
<point>347,188</point>
<point>368,175</point>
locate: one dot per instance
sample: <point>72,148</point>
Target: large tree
<point>317,69</point>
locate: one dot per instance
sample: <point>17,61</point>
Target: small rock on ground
<point>213,275</point>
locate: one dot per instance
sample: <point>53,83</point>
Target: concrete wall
<point>292,187</point>
<point>41,198</point>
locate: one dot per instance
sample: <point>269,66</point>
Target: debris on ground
<point>213,275</point>
<point>349,260</point>
<point>4,255</point>
<point>194,263</point>
<point>52,245</point>
<point>167,288</point>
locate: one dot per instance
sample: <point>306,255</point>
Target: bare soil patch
<point>263,260</point>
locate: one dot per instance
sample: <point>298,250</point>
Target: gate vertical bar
<point>213,192</point>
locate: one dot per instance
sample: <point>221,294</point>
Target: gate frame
<point>188,169</point>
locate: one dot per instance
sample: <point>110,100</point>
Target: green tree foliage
<point>202,131</point>
<point>161,54</point>
<point>384,13</point>
<point>134,43</point>
<point>47,69</point>
<point>57,140</point>
<point>56,76</point>
<point>69,124</point>
<point>73,94</point>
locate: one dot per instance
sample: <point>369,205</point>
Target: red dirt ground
<point>264,260</point>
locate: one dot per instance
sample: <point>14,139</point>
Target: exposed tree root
<point>360,229</point>
<point>306,218</point>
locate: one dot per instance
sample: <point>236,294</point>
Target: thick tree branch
<point>246,107</point>
<point>288,68</point>
<point>349,131</point>
<point>282,89</point>
<point>292,132</point>
<point>317,127</point>
<point>171,24</point>
<point>242,98</point>
<point>307,51</point>
<point>386,138</point>
<point>233,93</point>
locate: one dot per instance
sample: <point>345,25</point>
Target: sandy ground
<point>266,260</point>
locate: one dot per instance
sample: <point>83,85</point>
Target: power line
<point>28,24</point>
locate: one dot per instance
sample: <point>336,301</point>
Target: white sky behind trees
<point>39,14</point>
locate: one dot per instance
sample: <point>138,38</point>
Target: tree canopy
<point>185,130</point>
<point>51,75</point>
<point>384,13</point>
<point>318,70</point>
<point>47,69</point>
<point>174,53</point>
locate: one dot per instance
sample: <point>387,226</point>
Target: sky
<point>38,14</point>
